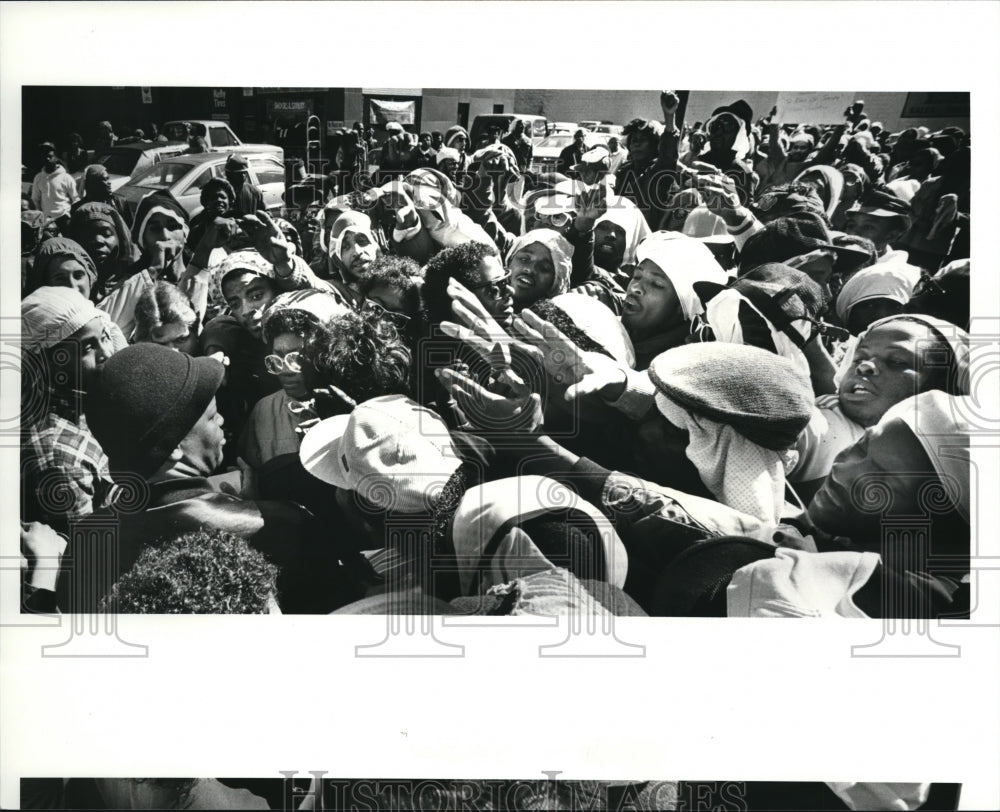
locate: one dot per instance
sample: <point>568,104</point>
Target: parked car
<point>185,175</point>
<point>590,125</point>
<point>219,136</point>
<point>608,129</point>
<point>546,152</point>
<point>125,160</point>
<point>535,126</point>
<point>564,127</point>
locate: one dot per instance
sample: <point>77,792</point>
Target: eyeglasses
<point>560,220</point>
<point>292,362</point>
<point>374,310</point>
<point>495,289</point>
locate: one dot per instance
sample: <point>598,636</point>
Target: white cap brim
<point>320,452</point>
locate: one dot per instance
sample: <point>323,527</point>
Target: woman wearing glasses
<point>293,323</point>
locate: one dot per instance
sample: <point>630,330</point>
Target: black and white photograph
<point>490,427</point>
<point>389,350</point>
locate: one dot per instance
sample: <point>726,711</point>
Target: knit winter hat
<point>237,163</point>
<point>56,249</point>
<point>446,153</point>
<point>248,261</point>
<point>453,132</point>
<point>157,203</point>
<point>760,394</point>
<point>392,451</point>
<point>145,401</point>
<point>51,315</point>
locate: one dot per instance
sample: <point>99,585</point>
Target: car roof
<point>142,146</point>
<point>197,158</point>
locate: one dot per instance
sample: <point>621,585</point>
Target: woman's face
<point>651,303</point>
<point>295,384</point>
<point>881,475</point>
<point>459,143</point>
<point>247,295</point>
<point>100,241</point>
<point>885,371</point>
<point>609,245</point>
<point>532,274</point>
<point>95,347</point>
<point>68,272</point>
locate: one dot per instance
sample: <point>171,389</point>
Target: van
<point>535,126</point>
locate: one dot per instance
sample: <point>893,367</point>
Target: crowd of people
<point>716,381</point>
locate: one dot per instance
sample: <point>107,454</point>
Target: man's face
<point>799,150</point>
<point>437,140</point>
<point>880,230</point>
<point>95,347</point>
<point>886,370</point>
<point>612,145</point>
<point>609,245</point>
<point>887,461</point>
<point>51,160</point>
<point>103,180</point>
<point>460,143</point>
<point>532,274</point>
<point>449,167</point>
<point>202,447</point>
<point>425,142</point>
<point>357,252</point>
<point>722,132</point>
<point>67,272</point>
<point>578,138</point>
<point>100,241</point>
<point>247,295</point>
<point>161,228</point>
<point>651,303</point>
<point>491,286</point>
<point>236,179</point>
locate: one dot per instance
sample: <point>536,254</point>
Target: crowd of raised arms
<point>706,369</point>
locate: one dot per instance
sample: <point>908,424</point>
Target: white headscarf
<point>877,282</point>
<point>559,249</point>
<point>684,261</point>
<point>633,223</point>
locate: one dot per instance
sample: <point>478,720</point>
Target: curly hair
<point>399,273</point>
<point>297,322</point>
<point>162,303</point>
<point>204,572</point>
<point>459,261</point>
<point>365,358</point>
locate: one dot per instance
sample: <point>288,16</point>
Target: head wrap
<point>93,175</point>
<point>51,315</point>
<point>248,261</point>
<point>158,203</point>
<point>884,281</point>
<point>831,190</point>
<point>592,326</point>
<point>319,304</point>
<point>956,338</point>
<point>51,250</point>
<point>106,213</point>
<point>742,408</point>
<point>430,185</point>
<point>146,400</point>
<point>940,422</point>
<point>684,261</point>
<point>350,222</point>
<point>447,153</point>
<point>560,251</point>
<point>632,222</point>
<point>453,132</point>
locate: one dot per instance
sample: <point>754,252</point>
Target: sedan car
<point>185,175</point>
<point>125,160</point>
<point>608,129</point>
<point>546,154</point>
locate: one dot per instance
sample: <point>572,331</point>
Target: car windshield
<point>161,176</point>
<point>538,127</point>
<point>120,163</point>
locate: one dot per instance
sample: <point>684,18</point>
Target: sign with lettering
<point>812,107</point>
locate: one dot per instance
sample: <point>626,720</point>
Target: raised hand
<point>518,409</point>
<point>268,240</point>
